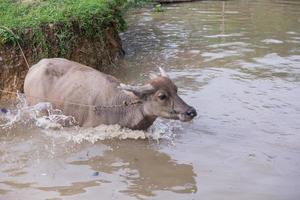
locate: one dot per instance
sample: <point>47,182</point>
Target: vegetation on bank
<point>23,16</point>
<point>50,26</point>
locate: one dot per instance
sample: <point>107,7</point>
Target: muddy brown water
<point>237,62</point>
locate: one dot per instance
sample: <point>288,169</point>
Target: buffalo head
<point>160,98</point>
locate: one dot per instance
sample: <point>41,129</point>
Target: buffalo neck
<point>127,111</point>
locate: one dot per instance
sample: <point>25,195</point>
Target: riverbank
<point>83,31</point>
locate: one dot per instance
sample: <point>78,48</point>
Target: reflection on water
<point>237,62</point>
<point>146,170</point>
<point>135,168</point>
<point>75,188</point>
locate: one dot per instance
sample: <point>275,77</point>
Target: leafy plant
<point>158,8</point>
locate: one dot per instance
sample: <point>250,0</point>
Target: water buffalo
<point>95,98</point>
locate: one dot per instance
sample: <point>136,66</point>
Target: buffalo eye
<point>162,97</point>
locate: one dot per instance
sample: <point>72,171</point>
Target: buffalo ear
<point>140,91</point>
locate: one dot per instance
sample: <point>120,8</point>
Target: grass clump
<point>23,15</point>
<point>158,8</point>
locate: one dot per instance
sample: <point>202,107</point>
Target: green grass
<point>21,15</point>
<point>52,28</point>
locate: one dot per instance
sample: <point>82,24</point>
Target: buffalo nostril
<point>191,112</point>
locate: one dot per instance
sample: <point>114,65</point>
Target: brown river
<point>237,62</point>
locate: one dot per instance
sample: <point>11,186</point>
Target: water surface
<point>237,62</point>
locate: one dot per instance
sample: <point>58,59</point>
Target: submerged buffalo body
<point>95,98</point>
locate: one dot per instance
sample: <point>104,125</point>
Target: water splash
<point>42,115</point>
<point>93,134</point>
<point>54,123</point>
<point>160,130</point>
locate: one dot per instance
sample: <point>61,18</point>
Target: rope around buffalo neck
<point>97,108</point>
